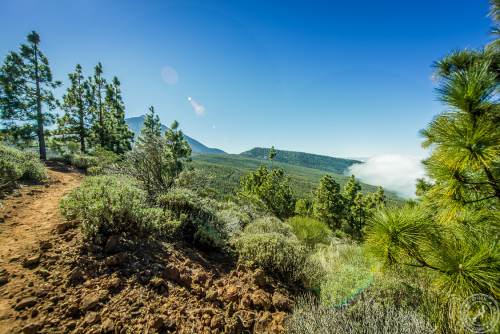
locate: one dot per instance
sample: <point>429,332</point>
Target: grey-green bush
<point>17,165</point>
<point>364,317</point>
<point>112,205</point>
<point>271,245</point>
<point>198,218</point>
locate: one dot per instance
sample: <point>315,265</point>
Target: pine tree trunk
<point>82,132</point>
<point>39,115</point>
<point>81,115</point>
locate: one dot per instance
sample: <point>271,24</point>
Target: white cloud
<point>392,171</point>
<point>199,109</point>
<point>169,75</point>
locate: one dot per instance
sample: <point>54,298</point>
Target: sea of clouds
<point>394,172</point>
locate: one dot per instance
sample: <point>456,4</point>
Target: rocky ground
<point>51,281</point>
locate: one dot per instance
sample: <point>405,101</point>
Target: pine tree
<point>181,150</point>
<point>328,204</point>
<point>117,132</point>
<point>151,127</point>
<point>26,88</point>
<point>453,230</point>
<point>96,95</point>
<point>75,124</point>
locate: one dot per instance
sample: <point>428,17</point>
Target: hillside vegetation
<point>321,162</point>
<point>225,172</point>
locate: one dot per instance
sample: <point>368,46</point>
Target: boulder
<point>32,261</point>
<point>90,301</point>
<point>4,276</point>
<point>26,303</point>
<point>45,245</point>
<point>31,329</point>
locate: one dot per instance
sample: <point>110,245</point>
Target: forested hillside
<point>226,170</point>
<point>321,162</point>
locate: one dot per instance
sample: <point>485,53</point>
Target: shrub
<point>364,317</point>
<point>82,161</point>
<point>234,217</point>
<point>310,231</point>
<point>269,225</point>
<point>198,218</point>
<point>271,245</point>
<point>17,165</point>
<point>347,271</point>
<point>112,205</point>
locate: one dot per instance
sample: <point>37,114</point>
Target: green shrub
<point>310,231</point>
<point>94,162</point>
<point>234,217</point>
<point>271,245</point>
<point>364,317</point>
<point>347,271</point>
<point>82,161</point>
<point>269,225</point>
<point>199,222</point>
<point>112,205</point>
<point>17,165</point>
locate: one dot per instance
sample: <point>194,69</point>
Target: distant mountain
<point>321,162</point>
<point>135,124</point>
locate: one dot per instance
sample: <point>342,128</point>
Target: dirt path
<point>29,217</point>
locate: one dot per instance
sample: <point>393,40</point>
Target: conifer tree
<point>26,90</point>
<point>96,95</point>
<point>328,204</point>
<point>151,127</point>
<point>76,121</point>
<point>181,151</point>
<point>117,132</point>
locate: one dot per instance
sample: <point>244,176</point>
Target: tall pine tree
<point>26,88</point>
<point>74,125</point>
<point>96,96</point>
<point>151,127</point>
<point>119,137</point>
<point>328,204</point>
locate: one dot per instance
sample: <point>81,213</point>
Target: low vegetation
<point>310,231</point>
<point>16,165</point>
<point>271,245</point>
<point>107,205</point>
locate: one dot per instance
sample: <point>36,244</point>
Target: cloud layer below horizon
<point>392,171</point>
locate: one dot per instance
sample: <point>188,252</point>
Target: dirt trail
<point>29,217</point>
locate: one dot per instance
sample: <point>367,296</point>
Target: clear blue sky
<point>343,78</point>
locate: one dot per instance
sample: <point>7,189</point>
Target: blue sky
<point>342,78</point>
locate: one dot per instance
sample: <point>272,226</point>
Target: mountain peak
<point>135,125</point>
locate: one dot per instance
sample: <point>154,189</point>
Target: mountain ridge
<point>309,160</point>
<point>135,124</point>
